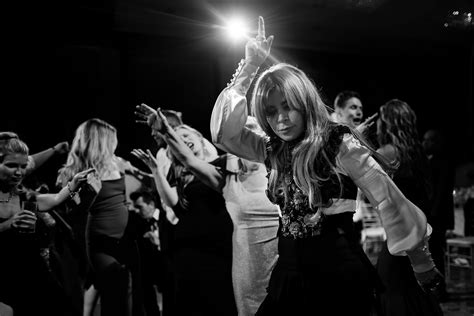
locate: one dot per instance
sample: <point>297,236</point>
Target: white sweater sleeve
<point>405,224</point>
<point>229,116</point>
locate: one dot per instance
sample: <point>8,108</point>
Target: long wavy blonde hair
<point>302,95</point>
<point>93,146</point>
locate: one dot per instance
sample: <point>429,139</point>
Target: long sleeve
<point>230,115</point>
<point>404,223</point>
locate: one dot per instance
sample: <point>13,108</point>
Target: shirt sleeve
<point>31,165</point>
<point>230,115</point>
<point>404,223</point>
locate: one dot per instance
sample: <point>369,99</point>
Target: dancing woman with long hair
<point>111,255</point>
<point>315,167</point>
<point>397,135</point>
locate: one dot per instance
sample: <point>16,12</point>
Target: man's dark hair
<point>343,96</point>
<point>145,195</point>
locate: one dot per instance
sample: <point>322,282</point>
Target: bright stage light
<point>236,29</point>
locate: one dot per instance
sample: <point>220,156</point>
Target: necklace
<point>10,196</point>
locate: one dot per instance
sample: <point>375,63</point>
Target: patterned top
<point>404,223</point>
<point>298,219</point>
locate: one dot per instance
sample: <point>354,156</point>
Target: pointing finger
<point>372,117</point>
<point>261,28</point>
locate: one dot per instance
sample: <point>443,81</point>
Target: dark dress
<point>202,249</point>
<point>402,295</point>
<point>113,255</point>
<point>321,267</point>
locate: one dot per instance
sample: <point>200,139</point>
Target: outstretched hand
<point>147,158</point>
<point>155,119</point>
<point>81,178</point>
<point>145,114</point>
<point>258,49</point>
<point>165,126</point>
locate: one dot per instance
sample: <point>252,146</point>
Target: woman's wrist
<point>251,61</point>
<point>72,192</point>
<point>6,225</point>
<point>420,258</point>
<point>244,75</point>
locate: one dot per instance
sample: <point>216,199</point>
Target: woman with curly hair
<point>399,142</point>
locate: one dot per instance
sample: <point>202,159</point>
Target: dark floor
<point>459,304</point>
<point>459,266</point>
<point>460,300</point>
<point>460,280</point>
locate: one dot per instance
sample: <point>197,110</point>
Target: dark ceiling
<point>77,59</point>
<point>354,26</point>
<point>330,25</point>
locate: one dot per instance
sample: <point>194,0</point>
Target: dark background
<point>68,61</point>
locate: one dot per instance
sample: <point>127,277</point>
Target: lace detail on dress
<point>299,220</point>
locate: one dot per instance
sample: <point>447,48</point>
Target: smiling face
<point>192,140</point>
<point>351,113</point>
<point>285,121</point>
<point>13,169</point>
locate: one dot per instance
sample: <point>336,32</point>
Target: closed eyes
<point>270,111</point>
<point>14,166</point>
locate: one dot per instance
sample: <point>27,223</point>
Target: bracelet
<point>72,193</point>
<point>54,149</point>
<point>420,258</point>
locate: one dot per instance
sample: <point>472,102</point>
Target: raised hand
<point>61,148</point>
<point>143,112</point>
<point>165,126</point>
<point>147,115</point>
<point>257,49</point>
<point>367,123</point>
<point>147,158</point>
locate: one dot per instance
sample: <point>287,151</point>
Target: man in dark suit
<point>147,234</point>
